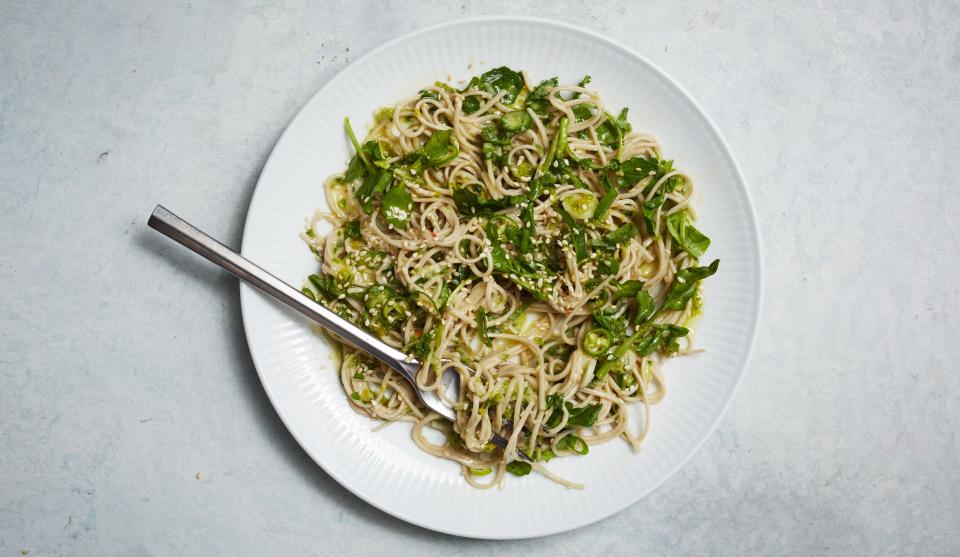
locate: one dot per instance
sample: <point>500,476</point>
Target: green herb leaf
<point>674,183</point>
<point>494,153</point>
<point>374,150</point>
<point>397,205</point>
<point>628,344</point>
<point>538,185</point>
<point>612,131</point>
<point>625,126</point>
<point>502,79</point>
<point>439,150</point>
<point>482,327</point>
<point>629,288</point>
<point>326,285</point>
<point>638,168</point>
<point>521,275</point>
<point>355,169</point>
<point>352,229</point>
<point>356,145</point>
<point>582,112</point>
<point>645,307</point>
<point>615,325</point>
<point>650,208</point>
<point>409,168</point>
<point>686,235</point>
<point>378,295</point>
<point>471,104</point>
<point>574,444</point>
<point>494,144</point>
<point>621,235</point>
<point>661,337</point>
<point>554,403</point>
<point>539,99</point>
<point>423,345</point>
<point>608,266</point>
<point>470,202</point>
<point>473,83</point>
<point>375,182</point>
<point>684,285</point>
<point>502,228</point>
<point>519,467</point>
<point>516,318</point>
<point>584,416</point>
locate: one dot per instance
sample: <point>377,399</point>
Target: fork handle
<point>189,236</point>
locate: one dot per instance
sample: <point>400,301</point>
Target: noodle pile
<point>530,237</point>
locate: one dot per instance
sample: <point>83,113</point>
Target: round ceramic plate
<point>298,367</point>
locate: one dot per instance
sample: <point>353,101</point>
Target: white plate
<point>385,468</point>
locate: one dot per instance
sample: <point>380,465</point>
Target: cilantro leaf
<point>354,170</point>
<point>645,307</point>
<point>684,285</point>
<point>518,272</point>
<point>439,150</point>
<point>422,346</point>
<point>539,99</point>
<point>584,416</point>
<point>502,79</point>
<point>375,182</point>
<point>686,235</point>
<point>397,205</point>
<point>661,337</point>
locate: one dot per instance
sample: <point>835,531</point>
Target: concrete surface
<point>131,419</point>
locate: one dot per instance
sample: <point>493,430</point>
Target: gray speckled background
<point>123,366</point>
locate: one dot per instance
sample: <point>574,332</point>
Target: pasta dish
<point>527,234</point>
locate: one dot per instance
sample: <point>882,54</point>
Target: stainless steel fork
<point>186,234</point>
